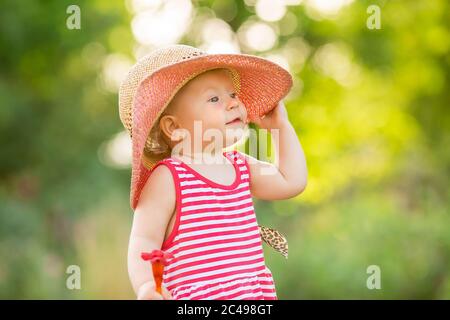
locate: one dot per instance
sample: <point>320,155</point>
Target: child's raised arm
<point>151,218</point>
<point>269,182</point>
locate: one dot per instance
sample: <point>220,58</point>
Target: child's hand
<point>276,118</point>
<point>147,291</point>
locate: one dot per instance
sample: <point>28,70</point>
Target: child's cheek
<point>216,113</point>
<point>215,106</point>
<point>218,105</point>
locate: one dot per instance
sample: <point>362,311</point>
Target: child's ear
<point>168,124</point>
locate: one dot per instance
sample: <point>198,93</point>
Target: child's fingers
<point>147,292</point>
<point>150,295</point>
<point>256,121</point>
<point>166,294</point>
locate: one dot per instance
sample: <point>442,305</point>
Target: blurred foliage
<point>376,138</point>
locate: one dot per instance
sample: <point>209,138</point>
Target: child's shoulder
<point>160,182</point>
<point>164,169</point>
<point>157,200</point>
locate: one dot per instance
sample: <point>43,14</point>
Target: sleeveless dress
<point>215,239</point>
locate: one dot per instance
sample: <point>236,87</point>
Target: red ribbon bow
<point>157,256</point>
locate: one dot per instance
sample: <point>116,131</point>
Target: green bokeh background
<point>376,143</point>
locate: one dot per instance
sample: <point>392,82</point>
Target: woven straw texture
<point>155,79</point>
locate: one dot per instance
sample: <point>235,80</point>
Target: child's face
<point>210,99</point>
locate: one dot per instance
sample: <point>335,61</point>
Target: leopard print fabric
<point>274,239</point>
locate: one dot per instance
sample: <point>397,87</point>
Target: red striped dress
<point>215,240</point>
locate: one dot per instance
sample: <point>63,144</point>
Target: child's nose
<point>232,103</point>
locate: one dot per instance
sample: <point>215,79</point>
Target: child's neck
<point>203,157</point>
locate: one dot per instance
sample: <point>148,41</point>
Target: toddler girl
<point>191,194</point>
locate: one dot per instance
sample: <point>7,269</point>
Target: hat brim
<point>262,85</point>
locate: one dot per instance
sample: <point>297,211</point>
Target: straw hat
<point>154,80</point>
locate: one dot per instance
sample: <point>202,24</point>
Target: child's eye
<point>216,98</point>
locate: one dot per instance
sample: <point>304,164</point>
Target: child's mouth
<point>237,120</point>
